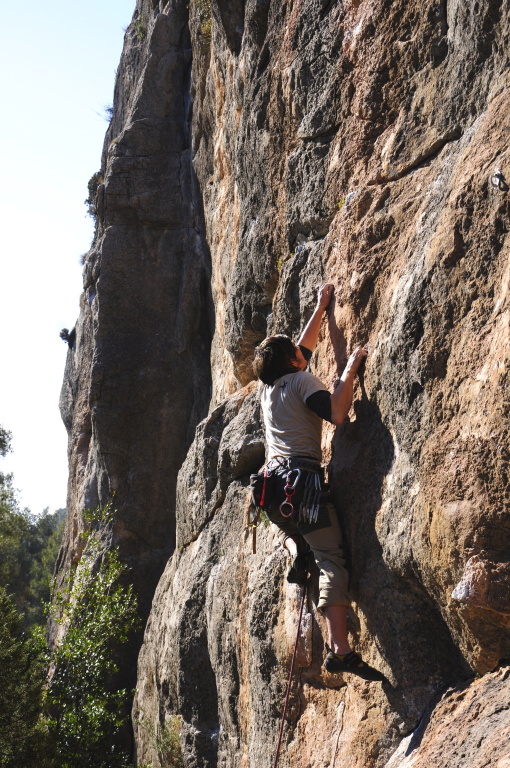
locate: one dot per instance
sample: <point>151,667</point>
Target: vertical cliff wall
<point>137,377</point>
<point>366,144</point>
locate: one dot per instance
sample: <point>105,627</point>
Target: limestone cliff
<point>257,148</point>
<point>137,378</point>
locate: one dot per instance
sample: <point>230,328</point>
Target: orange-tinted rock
<point>366,144</point>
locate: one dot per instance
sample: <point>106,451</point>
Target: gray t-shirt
<point>292,429</point>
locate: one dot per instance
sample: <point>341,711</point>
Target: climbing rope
<point>289,680</point>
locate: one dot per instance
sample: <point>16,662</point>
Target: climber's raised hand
<point>310,334</point>
<point>324,296</point>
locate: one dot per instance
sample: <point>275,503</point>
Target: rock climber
<point>294,404</point>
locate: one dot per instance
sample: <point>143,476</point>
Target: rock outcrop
<point>366,144</point>
<point>137,378</point>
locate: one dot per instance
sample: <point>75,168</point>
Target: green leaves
<point>98,613</point>
<point>5,441</point>
<point>29,547</point>
<point>166,741</point>
<point>77,719</point>
<point>23,662</point>
<point>93,185</point>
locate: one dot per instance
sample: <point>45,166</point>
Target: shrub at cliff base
<point>84,712</point>
<point>166,742</point>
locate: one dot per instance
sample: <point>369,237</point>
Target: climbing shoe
<point>298,572</point>
<point>353,663</point>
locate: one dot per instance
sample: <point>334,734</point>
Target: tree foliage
<point>23,663</point>
<point>86,711</point>
<point>93,185</point>
<point>5,441</point>
<point>76,717</point>
<point>29,546</point>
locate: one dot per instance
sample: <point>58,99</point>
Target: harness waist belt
<point>280,463</point>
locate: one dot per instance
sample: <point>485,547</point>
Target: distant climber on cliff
<point>294,403</point>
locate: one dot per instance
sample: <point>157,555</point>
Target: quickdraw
<point>310,504</point>
<point>253,525</point>
<point>257,502</point>
<point>290,490</point>
<point>263,494</point>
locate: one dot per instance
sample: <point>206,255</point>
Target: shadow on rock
<point>392,605</point>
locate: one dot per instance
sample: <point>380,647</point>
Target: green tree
<point>44,544</point>
<point>98,612</point>
<point>23,661</point>
<point>76,718</point>
<point>5,441</point>
<point>29,546</point>
<point>14,537</point>
<point>14,531</point>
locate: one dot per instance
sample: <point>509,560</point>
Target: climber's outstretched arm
<point>341,399</point>
<point>311,332</point>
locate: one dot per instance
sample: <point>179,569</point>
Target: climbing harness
<point>265,485</point>
<point>290,490</point>
<point>291,671</point>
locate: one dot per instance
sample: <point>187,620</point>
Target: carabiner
<point>287,483</point>
<point>289,490</point>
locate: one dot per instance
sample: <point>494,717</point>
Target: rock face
<point>137,378</point>
<point>366,144</point>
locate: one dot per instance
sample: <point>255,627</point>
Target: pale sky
<point>57,64</point>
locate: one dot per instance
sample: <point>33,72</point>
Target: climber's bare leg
<point>336,615</point>
<point>336,621</point>
<point>291,546</point>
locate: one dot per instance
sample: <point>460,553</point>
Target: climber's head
<point>276,356</point>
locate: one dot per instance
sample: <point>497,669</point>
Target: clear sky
<point>57,65</point>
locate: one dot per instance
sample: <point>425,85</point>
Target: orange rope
<point>289,680</point>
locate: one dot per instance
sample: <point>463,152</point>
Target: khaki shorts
<point>325,540</point>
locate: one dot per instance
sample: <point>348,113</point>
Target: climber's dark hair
<point>274,357</point>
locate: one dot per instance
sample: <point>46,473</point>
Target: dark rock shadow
<point>198,694</point>
<point>385,584</point>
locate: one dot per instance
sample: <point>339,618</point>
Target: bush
<point>93,184</point>
<point>201,9</point>
<point>84,709</point>
<point>166,742</point>
<point>140,26</point>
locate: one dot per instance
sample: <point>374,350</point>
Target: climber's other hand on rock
<point>354,361</point>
